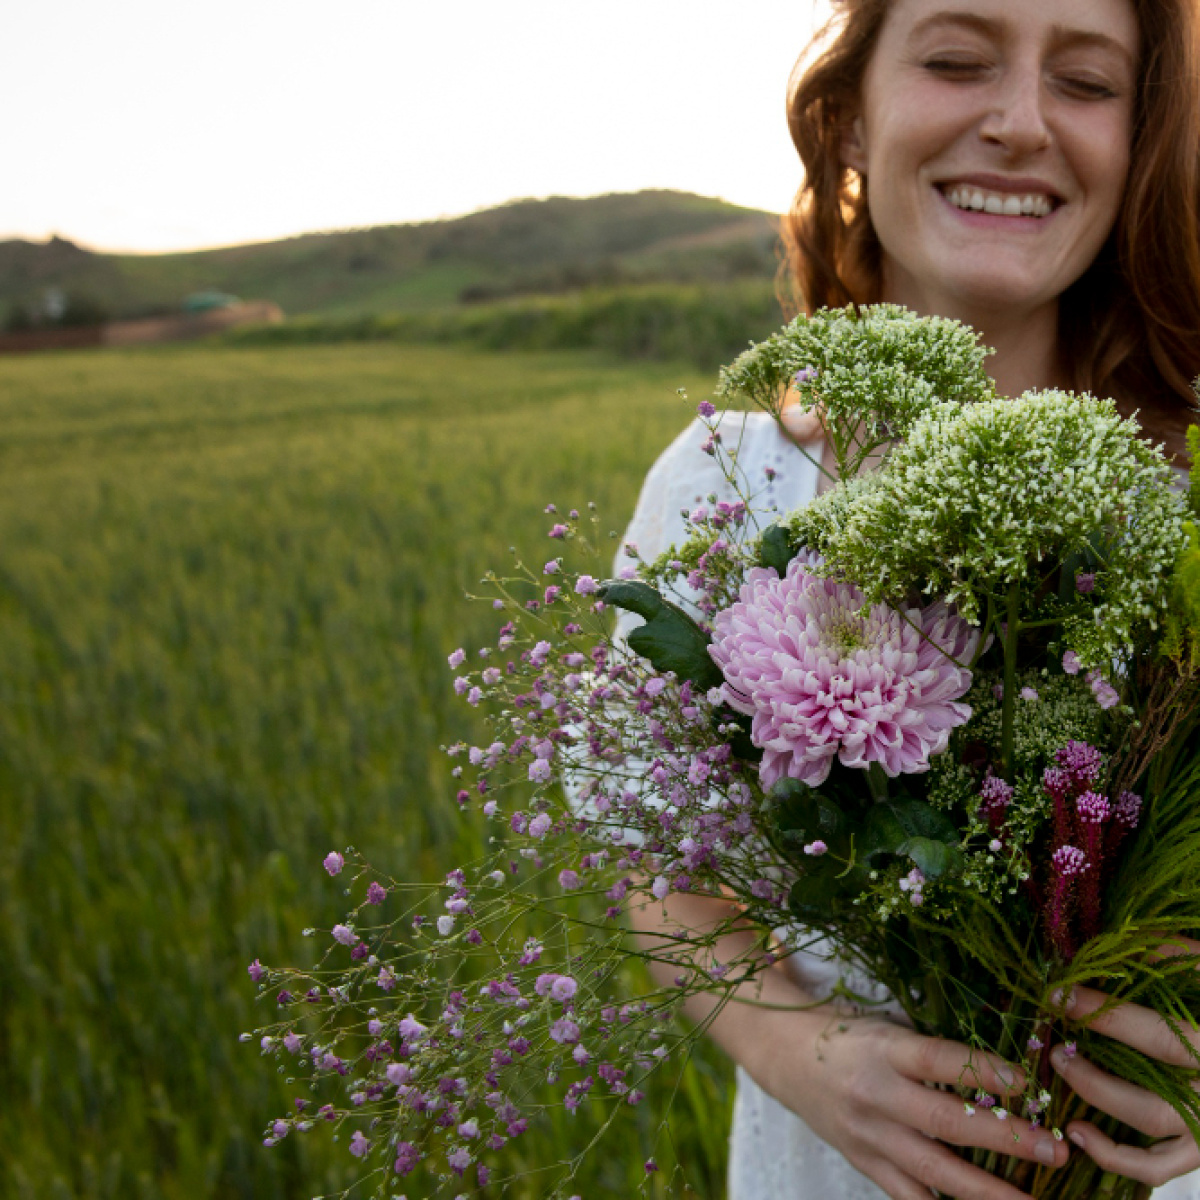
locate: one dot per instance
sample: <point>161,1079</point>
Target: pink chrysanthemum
<point>821,675</point>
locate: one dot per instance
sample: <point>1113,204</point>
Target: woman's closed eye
<point>956,68</point>
<point>1083,87</point>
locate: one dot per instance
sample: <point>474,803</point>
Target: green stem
<point>877,782</point>
<point>1012,604</point>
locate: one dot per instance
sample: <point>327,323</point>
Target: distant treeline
<point>703,325</point>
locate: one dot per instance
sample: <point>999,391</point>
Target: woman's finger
<point>804,425</point>
<point>936,1060</point>
<point>943,1116</point>
<point>1176,945</point>
<point>887,1176</point>
<point>934,1166</point>
<point>1156,1165</point>
<point>1136,1026</point>
<point>1142,1109</point>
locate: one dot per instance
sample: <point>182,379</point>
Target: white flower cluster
<point>985,496</point>
<point>880,365</point>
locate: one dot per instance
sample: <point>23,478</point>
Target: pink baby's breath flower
<point>1106,695</point>
<point>334,862</point>
<point>564,1031</point>
<point>256,970</point>
<point>585,585</point>
<point>705,409</point>
<point>457,658</point>
<point>1071,663</point>
<point>376,894</point>
<point>816,849</point>
<point>344,934</point>
<point>821,676</point>
<point>563,988</point>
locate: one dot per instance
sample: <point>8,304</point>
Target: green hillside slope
<point>528,246</point>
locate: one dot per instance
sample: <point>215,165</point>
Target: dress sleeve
<point>777,474</point>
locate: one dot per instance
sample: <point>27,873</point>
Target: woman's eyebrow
<point>962,19</point>
<point>1062,35</point>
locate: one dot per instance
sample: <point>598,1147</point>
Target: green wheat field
<point>229,580</point>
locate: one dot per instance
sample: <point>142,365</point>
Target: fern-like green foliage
<point>1181,627</point>
<point>1193,445</point>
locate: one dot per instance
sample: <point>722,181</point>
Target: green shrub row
<point>698,324</point>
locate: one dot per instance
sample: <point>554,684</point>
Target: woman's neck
<point>1026,344</point>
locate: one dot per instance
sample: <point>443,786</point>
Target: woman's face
<point>995,137</point>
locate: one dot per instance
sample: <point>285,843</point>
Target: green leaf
<point>816,893</point>
<point>803,814</point>
<point>670,639</point>
<point>633,595</point>
<point>882,832</point>
<point>911,829</point>
<point>933,857</point>
<point>774,550</point>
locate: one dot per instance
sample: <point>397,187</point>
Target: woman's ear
<point>854,146</point>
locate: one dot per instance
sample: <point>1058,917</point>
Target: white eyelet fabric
<point>774,1155</point>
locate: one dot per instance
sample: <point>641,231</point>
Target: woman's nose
<point>1016,121</point>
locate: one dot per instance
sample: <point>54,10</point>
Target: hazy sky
<point>157,124</point>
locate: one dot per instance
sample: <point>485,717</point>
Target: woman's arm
<point>859,1082</point>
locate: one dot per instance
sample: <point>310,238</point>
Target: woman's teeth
<point>1006,204</point>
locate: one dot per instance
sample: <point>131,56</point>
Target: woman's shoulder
<point>742,434</point>
<point>769,464</point>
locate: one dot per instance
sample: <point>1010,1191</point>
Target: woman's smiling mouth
<point>971,198</point>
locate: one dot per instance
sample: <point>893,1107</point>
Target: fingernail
<point>1006,1076</point>
<point>1077,1138</point>
<point>1062,999</point>
<point>1044,1150</point>
<point>1058,1058</point>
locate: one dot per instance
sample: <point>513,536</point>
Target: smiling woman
<point>924,124</point>
<point>1030,167</point>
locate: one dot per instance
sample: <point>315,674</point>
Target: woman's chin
<point>993,290</point>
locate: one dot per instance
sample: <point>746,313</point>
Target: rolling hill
<point>527,247</point>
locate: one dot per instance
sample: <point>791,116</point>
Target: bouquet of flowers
<point>942,719</point>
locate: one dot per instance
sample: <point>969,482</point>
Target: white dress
<point>773,1153</point>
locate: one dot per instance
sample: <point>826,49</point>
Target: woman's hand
<point>858,1082</point>
<point>1144,1030</point>
<point>861,1086</point>
<point>803,425</point>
